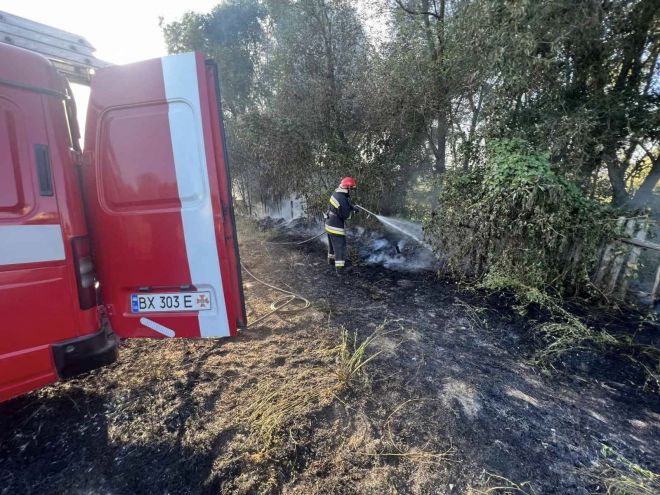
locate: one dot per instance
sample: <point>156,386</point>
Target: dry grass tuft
<point>412,454</point>
<point>279,403</point>
<point>352,356</point>
<point>620,476</point>
<point>500,485</point>
<point>477,316</point>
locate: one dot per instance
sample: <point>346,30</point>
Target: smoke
<point>288,209</point>
<point>395,251</point>
<point>392,248</point>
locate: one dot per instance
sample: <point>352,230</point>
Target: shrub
<point>516,223</point>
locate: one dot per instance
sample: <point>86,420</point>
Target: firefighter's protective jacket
<point>339,210</point>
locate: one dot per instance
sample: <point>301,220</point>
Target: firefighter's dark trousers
<point>337,250</point>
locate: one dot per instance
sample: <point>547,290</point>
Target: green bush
<point>516,223</point>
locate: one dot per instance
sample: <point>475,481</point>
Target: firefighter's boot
<point>340,268</point>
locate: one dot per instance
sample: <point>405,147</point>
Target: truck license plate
<point>170,302</point>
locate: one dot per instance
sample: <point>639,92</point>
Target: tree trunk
<point>643,194</point>
<point>441,148</point>
<point>616,174</point>
<point>476,110</point>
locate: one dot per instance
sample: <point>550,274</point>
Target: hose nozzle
<point>364,209</point>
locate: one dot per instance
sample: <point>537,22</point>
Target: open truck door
<point>159,202</point>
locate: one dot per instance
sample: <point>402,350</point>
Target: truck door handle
<point>42,158</point>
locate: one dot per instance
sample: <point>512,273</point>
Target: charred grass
<point>390,383</point>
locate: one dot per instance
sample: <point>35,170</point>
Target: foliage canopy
<point>398,92</point>
<point>517,219</point>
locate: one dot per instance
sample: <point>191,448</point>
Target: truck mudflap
<point>83,354</point>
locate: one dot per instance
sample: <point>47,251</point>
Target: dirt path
<point>448,404</point>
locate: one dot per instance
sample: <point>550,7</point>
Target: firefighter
<point>340,209</point>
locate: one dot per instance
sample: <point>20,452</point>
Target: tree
<point>231,34</point>
<point>579,79</point>
<point>310,94</point>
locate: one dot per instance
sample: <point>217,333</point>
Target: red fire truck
<point>140,218</point>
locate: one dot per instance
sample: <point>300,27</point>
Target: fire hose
<point>278,305</point>
<point>295,243</point>
<point>367,211</point>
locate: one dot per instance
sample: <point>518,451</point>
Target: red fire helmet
<point>347,183</point>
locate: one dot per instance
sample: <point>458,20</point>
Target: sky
<point>122,31</point>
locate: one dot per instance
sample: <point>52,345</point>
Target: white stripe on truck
<point>157,327</point>
<point>185,117</point>
<point>30,244</point>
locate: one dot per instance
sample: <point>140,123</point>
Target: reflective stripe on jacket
<point>339,210</point>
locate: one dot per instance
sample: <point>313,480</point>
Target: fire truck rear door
<point>159,201</point>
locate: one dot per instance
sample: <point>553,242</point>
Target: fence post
<point>607,255</point>
<point>633,258</point>
<point>618,261</point>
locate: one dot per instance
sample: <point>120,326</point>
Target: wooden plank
<point>9,32</point>
<point>633,259</point>
<point>656,284</point>
<point>607,255</point>
<point>617,264</point>
<point>42,29</point>
<point>56,53</point>
<point>641,243</point>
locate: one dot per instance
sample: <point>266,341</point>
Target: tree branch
<point>415,12</point>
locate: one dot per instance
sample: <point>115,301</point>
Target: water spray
<point>401,226</point>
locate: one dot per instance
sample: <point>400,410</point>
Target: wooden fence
<point>624,267</point>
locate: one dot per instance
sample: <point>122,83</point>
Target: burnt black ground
<point>505,415</point>
<point>168,417</point>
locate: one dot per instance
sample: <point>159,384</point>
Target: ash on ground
<point>372,247</point>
